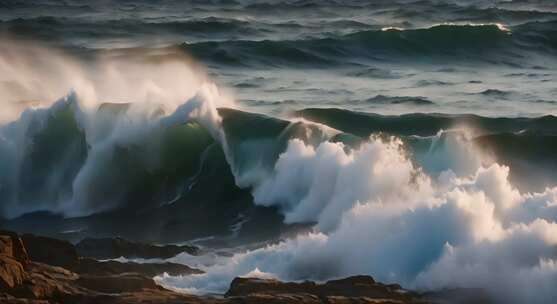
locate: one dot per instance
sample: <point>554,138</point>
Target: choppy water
<point>484,57</point>
<point>416,140</point>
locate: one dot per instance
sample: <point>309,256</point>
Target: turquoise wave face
<point>414,141</point>
<point>57,157</point>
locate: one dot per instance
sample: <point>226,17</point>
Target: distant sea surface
<point>494,58</point>
<point>412,140</point>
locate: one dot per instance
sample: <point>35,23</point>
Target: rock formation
<point>356,289</point>
<point>112,248</point>
<point>41,270</point>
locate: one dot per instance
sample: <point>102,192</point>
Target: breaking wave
<point>378,212</point>
<point>401,207</point>
<point>428,200</point>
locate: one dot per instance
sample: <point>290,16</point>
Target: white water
<point>161,93</point>
<point>379,214</point>
<point>462,224</point>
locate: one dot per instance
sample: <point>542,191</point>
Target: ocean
<point>411,140</point>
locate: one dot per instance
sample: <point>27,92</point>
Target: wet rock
<point>111,248</point>
<point>107,268</point>
<point>49,250</point>
<point>357,289</point>
<point>120,283</point>
<point>9,299</point>
<point>44,281</point>
<point>12,245</point>
<point>87,281</point>
<point>11,273</point>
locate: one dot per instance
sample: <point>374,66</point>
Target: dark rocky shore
<point>36,269</point>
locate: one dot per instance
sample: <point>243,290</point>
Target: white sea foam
<point>379,214</point>
<point>161,93</point>
<point>451,219</point>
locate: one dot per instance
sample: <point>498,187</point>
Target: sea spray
<point>87,151</point>
<point>422,231</point>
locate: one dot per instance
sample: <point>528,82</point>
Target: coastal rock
<point>145,296</point>
<point>9,299</point>
<point>87,281</point>
<point>22,278</point>
<point>111,248</point>
<point>108,268</point>
<point>49,250</point>
<point>11,273</point>
<point>357,289</point>
<point>120,283</point>
<point>82,280</point>
<point>12,245</point>
<point>248,286</point>
<point>42,281</point>
<point>62,253</point>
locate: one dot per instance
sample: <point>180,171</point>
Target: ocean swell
<point>489,42</point>
<point>144,143</point>
<point>451,207</point>
<point>379,213</point>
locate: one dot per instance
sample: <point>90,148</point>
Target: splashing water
<point>446,218</point>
